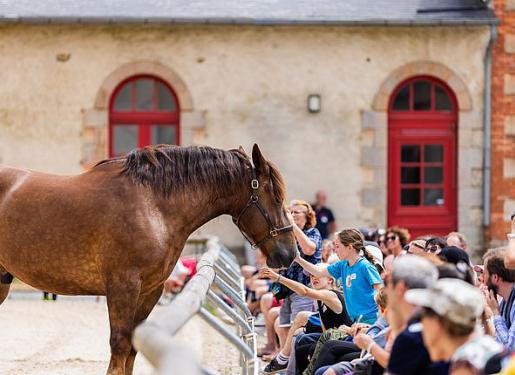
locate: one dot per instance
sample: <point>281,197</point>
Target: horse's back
<point>52,222</point>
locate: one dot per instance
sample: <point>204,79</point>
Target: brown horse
<point>118,229</point>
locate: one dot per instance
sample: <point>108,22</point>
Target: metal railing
<point>217,267</point>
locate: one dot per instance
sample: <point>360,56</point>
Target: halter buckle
<point>274,232</point>
<point>254,184</point>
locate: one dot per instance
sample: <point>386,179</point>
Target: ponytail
<point>379,267</point>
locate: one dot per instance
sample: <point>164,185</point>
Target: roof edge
<point>242,21</point>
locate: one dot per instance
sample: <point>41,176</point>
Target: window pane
<point>144,94</point>
<point>422,96</point>
<point>410,175</point>
<point>165,101</point>
<point>433,153</point>
<point>122,101</point>
<point>410,197</point>
<point>125,138</point>
<point>433,175</point>
<point>433,197</point>
<point>410,153</point>
<point>401,102</point>
<point>442,100</point>
<point>162,134</point>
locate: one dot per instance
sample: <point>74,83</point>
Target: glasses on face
<point>390,238</point>
<point>432,248</point>
<point>298,212</point>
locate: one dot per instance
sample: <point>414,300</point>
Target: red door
<point>422,157</point>
<point>144,111</point>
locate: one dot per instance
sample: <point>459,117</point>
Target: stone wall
<point>240,85</point>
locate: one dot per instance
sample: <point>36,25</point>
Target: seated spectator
<point>335,354</point>
<point>327,250</point>
<point>381,241</point>
<point>331,308</point>
<point>417,246</point>
<point>451,310</point>
<point>396,238</point>
<point>457,239</point>
<point>460,259</point>
<point>435,244</point>
<point>409,356</point>
<point>255,286</point>
<point>500,281</point>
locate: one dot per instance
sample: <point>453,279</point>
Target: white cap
<point>453,299</point>
<point>375,252</point>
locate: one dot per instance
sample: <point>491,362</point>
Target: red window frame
<point>144,120</point>
<point>423,127</point>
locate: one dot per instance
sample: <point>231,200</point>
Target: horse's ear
<point>259,160</point>
<point>242,150</point>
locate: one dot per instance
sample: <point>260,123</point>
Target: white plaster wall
<point>252,81</point>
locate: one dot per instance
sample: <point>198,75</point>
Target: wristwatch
<point>511,236</point>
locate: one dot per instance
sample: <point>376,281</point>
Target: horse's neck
<point>199,207</point>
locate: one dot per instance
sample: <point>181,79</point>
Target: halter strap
<point>254,201</point>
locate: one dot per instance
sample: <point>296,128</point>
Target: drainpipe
<point>487,127</point>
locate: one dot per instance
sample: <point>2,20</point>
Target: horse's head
<point>262,219</point>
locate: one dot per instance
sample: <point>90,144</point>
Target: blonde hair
<point>381,298</point>
<point>311,219</point>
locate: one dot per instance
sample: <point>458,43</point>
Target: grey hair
<point>415,271</point>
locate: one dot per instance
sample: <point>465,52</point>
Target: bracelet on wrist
<point>510,236</point>
<point>279,278</point>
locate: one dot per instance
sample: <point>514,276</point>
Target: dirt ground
<point>70,337</point>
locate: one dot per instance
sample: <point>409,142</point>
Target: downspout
<point>487,127</point>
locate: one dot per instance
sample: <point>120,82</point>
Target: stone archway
<point>95,120</point>
<point>374,135</point>
<point>421,68</point>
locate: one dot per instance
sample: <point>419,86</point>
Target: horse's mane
<point>169,169</point>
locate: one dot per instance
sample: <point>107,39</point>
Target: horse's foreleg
<point>145,306</point>
<point>122,301</point>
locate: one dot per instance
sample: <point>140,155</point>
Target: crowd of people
<point>371,301</point>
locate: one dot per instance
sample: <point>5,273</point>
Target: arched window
<point>144,111</point>
<point>422,95</point>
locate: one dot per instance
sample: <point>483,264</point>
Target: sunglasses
<point>432,248</point>
<point>390,238</point>
<point>298,212</point>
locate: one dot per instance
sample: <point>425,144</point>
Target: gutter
<point>14,19</point>
<point>487,127</point>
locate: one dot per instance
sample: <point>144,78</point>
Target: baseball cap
<point>453,299</point>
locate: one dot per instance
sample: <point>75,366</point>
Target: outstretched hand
<point>268,273</point>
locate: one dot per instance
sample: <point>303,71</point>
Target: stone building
<point>380,103</point>
<point>502,196</point>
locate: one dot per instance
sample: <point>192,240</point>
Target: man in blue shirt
<point>500,281</point>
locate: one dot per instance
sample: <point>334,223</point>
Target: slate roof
<point>257,12</point>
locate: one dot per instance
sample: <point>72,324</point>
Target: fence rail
<point>217,267</point>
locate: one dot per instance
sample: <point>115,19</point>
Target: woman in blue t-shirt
<point>359,277</point>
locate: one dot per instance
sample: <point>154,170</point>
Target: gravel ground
<point>70,337</point>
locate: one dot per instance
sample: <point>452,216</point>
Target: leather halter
<point>254,201</point>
